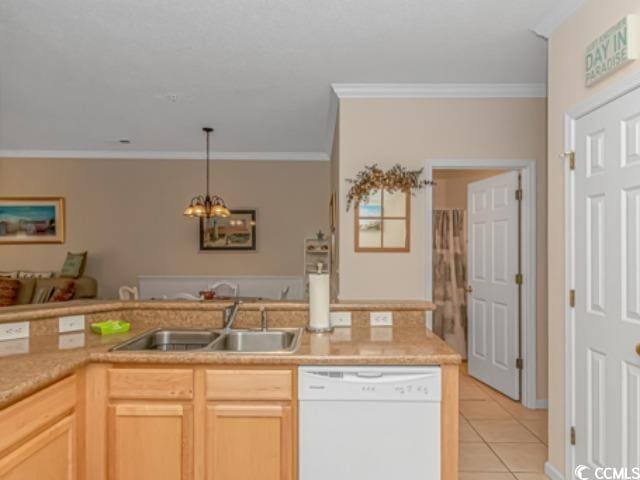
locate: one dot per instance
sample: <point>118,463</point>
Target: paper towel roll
<point>319,301</point>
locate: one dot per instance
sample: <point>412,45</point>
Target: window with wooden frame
<point>382,223</point>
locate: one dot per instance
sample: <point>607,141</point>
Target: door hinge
<point>519,194</point>
<point>519,363</point>
<point>519,279</point>
<point>572,298</point>
<point>571,155</point>
<point>572,435</point>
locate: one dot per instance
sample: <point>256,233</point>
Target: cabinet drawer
<point>249,385</point>
<point>150,383</point>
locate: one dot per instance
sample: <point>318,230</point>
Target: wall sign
<point>611,50</point>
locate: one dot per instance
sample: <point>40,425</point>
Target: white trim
<point>529,252</point>
<point>331,124</point>
<point>440,90</point>
<point>598,100</point>
<point>552,472</point>
<point>561,12</point>
<point>162,155</point>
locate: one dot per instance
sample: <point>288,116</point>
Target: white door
<point>492,304</point>
<point>607,283</point>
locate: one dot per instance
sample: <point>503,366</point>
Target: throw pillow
<point>74,265</point>
<point>25,294</point>
<point>43,294</point>
<point>8,291</point>
<point>63,293</point>
<point>22,274</point>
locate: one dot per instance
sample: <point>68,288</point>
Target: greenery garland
<point>372,178</point>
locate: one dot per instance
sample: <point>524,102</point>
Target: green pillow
<point>74,265</point>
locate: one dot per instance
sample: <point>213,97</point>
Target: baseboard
<point>552,472</point>
<point>542,404</point>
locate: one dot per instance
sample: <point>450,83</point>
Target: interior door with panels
<point>493,328</point>
<point>607,285</point>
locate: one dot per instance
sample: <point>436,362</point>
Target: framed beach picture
<point>31,220</point>
<point>237,232</point>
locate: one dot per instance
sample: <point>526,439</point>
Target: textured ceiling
<point>81,74</point>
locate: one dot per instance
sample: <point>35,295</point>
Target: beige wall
<point>410,131</point>
<point>566,89</point>
<point>450,190</point>
<point>128,215</point>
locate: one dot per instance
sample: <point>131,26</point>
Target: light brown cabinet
<point>52,450</point>
<point>150,441</point>
<point>39,435</point>
<point>246,441</point>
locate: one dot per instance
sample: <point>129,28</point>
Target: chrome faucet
<point>230,315</point>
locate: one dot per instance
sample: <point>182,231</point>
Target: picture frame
<point>32,220</point>
<point>382,225</point>
<point>237,232</point>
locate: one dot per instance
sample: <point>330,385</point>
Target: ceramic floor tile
<point>538,427</point>
<point>468,434</point>
<point>522,457</point>
<point>478,457</point>
<point>503,431</point>
<point>531,476</point>
<point>471,391</point>
<point>483,410</point>
<point>485,476</point>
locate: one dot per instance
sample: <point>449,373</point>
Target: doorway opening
<point>481,268</point>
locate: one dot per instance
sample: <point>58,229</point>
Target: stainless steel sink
<point>170,340</point>
<point>259,341</point>
<point>284,340</point>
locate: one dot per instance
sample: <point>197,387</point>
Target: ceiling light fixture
<point>207,206</point>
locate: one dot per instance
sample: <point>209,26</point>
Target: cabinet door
<point>50,454</point>
<point>150,441</point>
<point>249,441</point>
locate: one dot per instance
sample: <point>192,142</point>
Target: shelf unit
<point>315,251</point>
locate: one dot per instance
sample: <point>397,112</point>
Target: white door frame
<point>608,95</point>
<point>528,330</point>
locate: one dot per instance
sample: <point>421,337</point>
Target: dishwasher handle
<point>373,376</point>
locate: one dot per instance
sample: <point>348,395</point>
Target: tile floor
<point>499,438</point>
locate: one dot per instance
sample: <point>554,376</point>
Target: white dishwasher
<point>369,423</point>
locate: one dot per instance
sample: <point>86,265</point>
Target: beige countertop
<point>30,364</point>
<point>76,307</point>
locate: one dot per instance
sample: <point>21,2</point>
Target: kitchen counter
<point>29,364</point>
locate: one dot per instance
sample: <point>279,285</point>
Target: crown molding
<point>160,155</point>
<point>440,90</point>
<point>550,21</point>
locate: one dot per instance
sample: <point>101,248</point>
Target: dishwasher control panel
<point>369,383</point>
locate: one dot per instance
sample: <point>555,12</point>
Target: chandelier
<point>207,206</point>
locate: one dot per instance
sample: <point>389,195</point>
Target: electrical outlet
<point>71,323</point>
<point>381,319</point>
<point>14,347</point>
<point>11,331</point>
<point>340,319</point>
<point>71,340</point>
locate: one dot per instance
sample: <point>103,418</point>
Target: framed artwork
<point>237,232</point>
<point>31,220</point>
<point>382,223</point>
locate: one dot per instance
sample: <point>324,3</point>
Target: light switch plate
<point>340,319</point>
<point>71,340</point>
<point>71,323</point>
<point>381,319</point>
<point>11,331</point>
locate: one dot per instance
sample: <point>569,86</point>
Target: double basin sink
<point>282,340</point>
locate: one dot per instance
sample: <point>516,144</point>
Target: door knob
<point>638,349</point>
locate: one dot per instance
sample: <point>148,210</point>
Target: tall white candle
<point>319,301</point>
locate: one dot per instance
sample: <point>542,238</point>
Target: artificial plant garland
<point>372,178</point>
